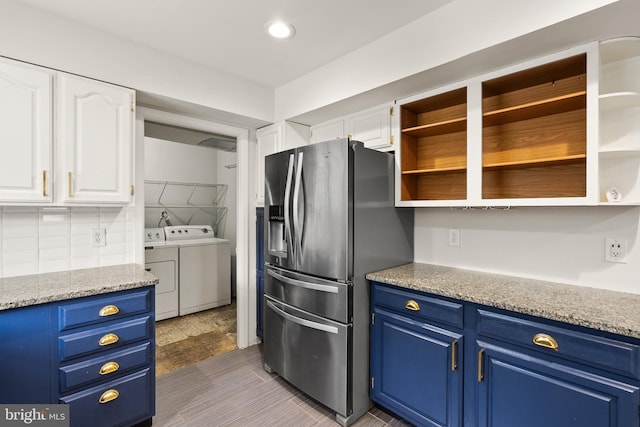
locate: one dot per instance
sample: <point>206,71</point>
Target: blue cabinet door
<point>517,389</point>
<point>416,369</point>
<point>25,356</point>
<point>259,269</point>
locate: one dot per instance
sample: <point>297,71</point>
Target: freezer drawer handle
<point>300,283</point>
<point>303,322</point>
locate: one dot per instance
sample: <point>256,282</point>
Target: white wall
<point>46,39</point>
<point>229,176</point>
<point>454,31</point>
<point>43,240</point>
<point>561,244</point>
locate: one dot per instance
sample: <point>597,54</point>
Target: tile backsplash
<point>46,239</point>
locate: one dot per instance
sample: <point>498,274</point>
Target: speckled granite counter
<point>35,289</point>
<point>600,309</point>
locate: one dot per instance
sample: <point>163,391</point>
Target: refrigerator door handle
<point>306,285</point>
<point>302,322</point>
<point>297,229</point>
<point>287,198</point>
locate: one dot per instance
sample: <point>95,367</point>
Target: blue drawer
<point>125,401</point>
<point>418,305</point>
<point>104,308</point>
<point>105,367</point>
<point>600,352</point>
<point>111,336</point>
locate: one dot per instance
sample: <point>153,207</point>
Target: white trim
<point>243,284</point>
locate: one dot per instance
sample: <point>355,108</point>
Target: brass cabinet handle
<point>480,367</point>
<point>454,362</point>
<point>547,341</point>
<point>70,183</point>
<point>412,305</point>
<point>109,367</point>
<point>44,183</point>
<point>108,339</point>
<point>109,395</point>
<point>108,310</point>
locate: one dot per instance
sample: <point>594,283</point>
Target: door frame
<point>243,278</point>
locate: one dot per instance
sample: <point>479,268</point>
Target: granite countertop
<point>22,291</point>
<point>601,309</point>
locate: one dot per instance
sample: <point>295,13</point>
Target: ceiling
<point>229,36</point>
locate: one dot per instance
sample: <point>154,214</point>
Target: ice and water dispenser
<point>277,239</point>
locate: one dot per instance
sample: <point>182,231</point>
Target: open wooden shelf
<point>434,147</point>
<point>537,162</point>
<point>530,110</point>
<point>534,132</point>
<point>438,128</point>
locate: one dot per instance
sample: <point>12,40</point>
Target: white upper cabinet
<point>372,127</point>
<point>90,162</point>
<point>95,133</point>
<point>26,118</point>
<point>272,139</point>
<point>333,129</point>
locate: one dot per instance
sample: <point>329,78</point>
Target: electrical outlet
<point>615,250</point>
<point>454,237</point>
<point>98,237</point>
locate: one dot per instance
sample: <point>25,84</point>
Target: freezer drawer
<point>313,356</point>
<point>324,298</point>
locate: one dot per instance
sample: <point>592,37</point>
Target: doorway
<point>245,334</point>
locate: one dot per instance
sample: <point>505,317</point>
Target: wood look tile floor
<point>182,341</point>
<point>232,389</point>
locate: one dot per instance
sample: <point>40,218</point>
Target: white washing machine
<point>204,270</point>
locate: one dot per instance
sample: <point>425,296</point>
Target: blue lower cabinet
<point>514,371</point>
<point>95,353</point>
<point>415,370</point>
<point>515,389</point>
<point>25,358</point>
<point>116,403</point>
<point>259,270</point>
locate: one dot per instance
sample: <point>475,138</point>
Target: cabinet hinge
<point>391,111</point>
<point>373,318</point>
<point>391,140</point>
<point>132,107</point>
<point>133,192</point>
<point>373,383</point>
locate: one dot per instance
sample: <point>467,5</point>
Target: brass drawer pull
<point>108,339</point>
<point>44,183</point>
<point>480,367</point>
<point>412,305</point>
<point>108,310</point>
<point>547,341</point>
<point>454,362</point>
<point>109,367</point>
<point>109,395</point>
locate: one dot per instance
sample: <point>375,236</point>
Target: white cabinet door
<point>26,133</point>
<point>372,127</point>
<point>327,131</point>
<point>269,140</point>
<point>273,138</point>
<point>95,136</point>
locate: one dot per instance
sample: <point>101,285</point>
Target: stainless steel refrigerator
<point>329,219</point>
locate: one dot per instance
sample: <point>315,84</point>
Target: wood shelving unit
<point>534,132</point>
<point>434,147</point>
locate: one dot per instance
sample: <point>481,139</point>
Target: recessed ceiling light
<point>280,30</point>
